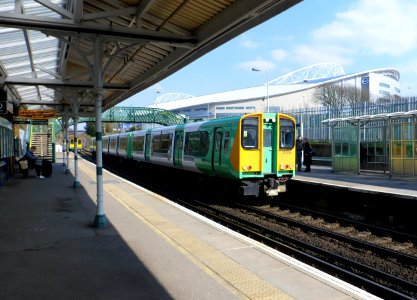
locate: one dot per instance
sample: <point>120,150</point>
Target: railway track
<point>378,235</point>
<point>384,272</point>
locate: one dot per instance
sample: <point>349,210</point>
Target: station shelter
<point>20,133</point>
<point>383,143</point>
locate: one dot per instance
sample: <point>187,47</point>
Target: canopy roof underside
<point>60,54</point>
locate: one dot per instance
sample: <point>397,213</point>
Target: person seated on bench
<point>31,158</point>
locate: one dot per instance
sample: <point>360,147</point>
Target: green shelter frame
<point>384,143</point>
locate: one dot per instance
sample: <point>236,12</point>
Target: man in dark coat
<point>299,151</point>
<point>31,158</point>
<point>308,155</point>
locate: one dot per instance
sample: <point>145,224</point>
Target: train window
<point>113,143</point>
<point>204,143</point>
<point>287,133</point>
<point>105,144</point>
<point>226,141</point>
<point>138,144</point>
<point>156,143</point>
<point>166,141</point>
<point>267,137</point>
<point>161,143</point>
<point>219,136</point>
<point>196,143</point>
<point>250,133</point>
<point>122,144</point>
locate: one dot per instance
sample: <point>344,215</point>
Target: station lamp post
<point>409,99</point>
<point>267,86</point>
<point>156,97</point>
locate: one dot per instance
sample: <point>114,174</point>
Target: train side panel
<point>195,144</point>
<point>122,144</point>
<point>246,155</point>
<point>286,146</point>
<point>106,142</point>
<point>221,136</point>
<point>161,144</point>
<point>113,144</point>
<point>137,145</point>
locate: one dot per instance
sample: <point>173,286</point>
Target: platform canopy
<point>54,53</point>
<point>377,117</point>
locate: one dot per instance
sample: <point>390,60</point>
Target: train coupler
<point>273,187</point>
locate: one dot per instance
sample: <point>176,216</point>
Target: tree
<point>90,128</point>
<point>339,96</point>
<point>329,95</point>
<point>108,128</point>
<point>353,97</point>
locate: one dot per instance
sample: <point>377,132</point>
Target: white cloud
<point>259,63</point>
<point>373,27</point>
<point>247,43</point>
<point>279,54</point>
<point>306,55</point>
<point>281,38</point>
<point>408,72</point>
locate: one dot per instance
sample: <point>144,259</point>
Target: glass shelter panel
<point>345,148</point>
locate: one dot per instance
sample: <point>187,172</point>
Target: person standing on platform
<point>299,147</point>
<point>31,158</point>
<point>308,155</point>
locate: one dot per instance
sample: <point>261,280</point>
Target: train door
<point>216,162</point>
<point>268,149</point>
<point>178,146</point>
<point>148,146</point>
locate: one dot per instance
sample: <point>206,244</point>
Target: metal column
<point>76,175</point>
<point>358,148</point>
<point>66,125</point>
<point>100,220</point>
<point>75,105</point>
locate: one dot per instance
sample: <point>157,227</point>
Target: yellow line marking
<point>239,280</point>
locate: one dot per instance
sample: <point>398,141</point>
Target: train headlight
<point>247,168</point>
<point>286,167</point>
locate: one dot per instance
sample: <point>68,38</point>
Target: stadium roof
<point>311,73</point>
<point>302,79</point>
<point>60,53</point>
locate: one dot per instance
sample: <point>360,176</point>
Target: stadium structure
<point>294,90</point>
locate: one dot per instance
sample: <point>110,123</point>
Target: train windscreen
<point>287,133</point>
<point>250,133</point>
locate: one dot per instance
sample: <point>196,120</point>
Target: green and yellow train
<point>256,150</point>
<point>72,143</point>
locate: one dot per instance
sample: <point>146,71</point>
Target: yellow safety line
<point>211,260</point>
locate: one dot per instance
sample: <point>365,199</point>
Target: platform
<point>368,182</point>
<point>152,248</point>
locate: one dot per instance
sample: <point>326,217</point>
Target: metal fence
<point>310,119</point>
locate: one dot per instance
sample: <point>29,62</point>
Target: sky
<point>359,35</point>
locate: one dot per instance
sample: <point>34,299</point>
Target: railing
<point>314,129</point>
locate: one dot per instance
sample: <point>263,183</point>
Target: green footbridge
<point>138,115</point>
<point>132,115</point>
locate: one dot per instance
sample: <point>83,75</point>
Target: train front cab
<point>266,158</point>
<point>72,142</point>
